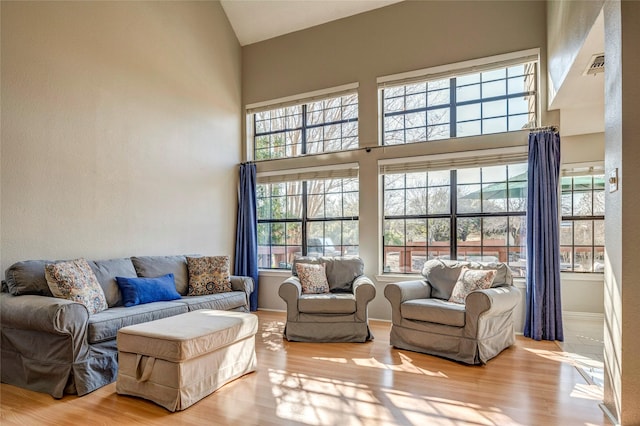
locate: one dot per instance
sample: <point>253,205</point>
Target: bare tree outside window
<point>488,212</point>
<point>582,225</point>
<point>493,101</point>
<point>314,217</point>
<point>311,218</point>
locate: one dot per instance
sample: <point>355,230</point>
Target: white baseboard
<point>609,414</point>
<point>573,315</point>
<point>272,310</point>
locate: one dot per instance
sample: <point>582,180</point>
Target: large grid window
<point>494,101</point>
<point>467,214</point>
<point>310,128</point>
<point>582,226</point>
<point>306,218</point>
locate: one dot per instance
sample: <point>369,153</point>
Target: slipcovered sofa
<point>337,316</point>
<point>55,346</point>
<point>473,332</point>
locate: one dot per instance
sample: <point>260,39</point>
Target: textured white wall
<point>120,129</point>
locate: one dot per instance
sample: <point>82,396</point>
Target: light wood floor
<point>531,383</point>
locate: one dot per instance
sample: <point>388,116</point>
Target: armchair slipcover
<point>338,316</point>
<point>423,320</point>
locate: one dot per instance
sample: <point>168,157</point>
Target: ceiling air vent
<point>596,65</point>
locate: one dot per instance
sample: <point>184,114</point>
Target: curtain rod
<point>553,128</point>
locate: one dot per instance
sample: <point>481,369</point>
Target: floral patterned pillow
<point>208,275</point>
<point>470,280</point>
<point>313,278</point>
<point>74,280</point>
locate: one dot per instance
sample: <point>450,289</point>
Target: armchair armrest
<point>402,291</point>
<point>492,301</point>
<point>364,291</point>
<point>482,306</point>
<point>45,314</point>
<point>242,283</point>
<point>290,291</point>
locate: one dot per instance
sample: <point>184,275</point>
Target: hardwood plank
<point>531,383</point>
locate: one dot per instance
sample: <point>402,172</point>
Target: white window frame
<point>301,98</point>
<point>459,68</point>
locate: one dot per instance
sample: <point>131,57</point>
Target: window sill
<point>582,276</point>
<point>274,273</point>
<point>394,278</point>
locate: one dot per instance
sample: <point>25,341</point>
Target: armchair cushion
<point>340,271</point>
<point>341,303</point>
<point>470,280</point>
<point>442,275</point>
<point>434,310</point>
<point>313,278</point>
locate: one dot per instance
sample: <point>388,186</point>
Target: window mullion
<point>304,218</point>
<point>453,201</point>
<point>304,129</point>
<point>453,120</point>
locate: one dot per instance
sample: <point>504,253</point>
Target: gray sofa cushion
<point>104,325</point>
<point>220,301</point>
<point>328,303</point>
<point>157,266</point>
<point>106,271</point>
<point>28,278</point>
<point>434,310</point>
<point>442,275</point>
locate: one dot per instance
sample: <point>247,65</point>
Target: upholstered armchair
<point>339,315</point>
<point>472,332</point>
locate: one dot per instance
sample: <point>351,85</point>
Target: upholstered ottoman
<point>177,361</point>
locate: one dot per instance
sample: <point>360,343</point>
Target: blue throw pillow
<point>136,291</point>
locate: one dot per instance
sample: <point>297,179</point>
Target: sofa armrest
<point>242,283</point>
<point>43,313</point>
<point>399,292</point>
<point>290,291</point>
<point>364,291</point>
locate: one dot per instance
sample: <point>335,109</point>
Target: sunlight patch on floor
<point>586,391</point>
<point>271,335</point>
<point>321,401</point>
<point>406,366</point>
<point>421,410</point>
<point>314,400</point>
<point>336,360</point>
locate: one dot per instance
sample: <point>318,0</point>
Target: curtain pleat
<point>246,257</point>
<point>543,305</point>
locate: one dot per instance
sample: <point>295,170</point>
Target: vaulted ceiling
<point>258,20</point>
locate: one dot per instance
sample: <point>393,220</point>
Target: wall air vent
<point>595,66</point>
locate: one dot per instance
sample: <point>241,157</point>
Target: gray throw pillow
<point>106,272</point>
<point>157,266</point>
<point>28,278</point>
